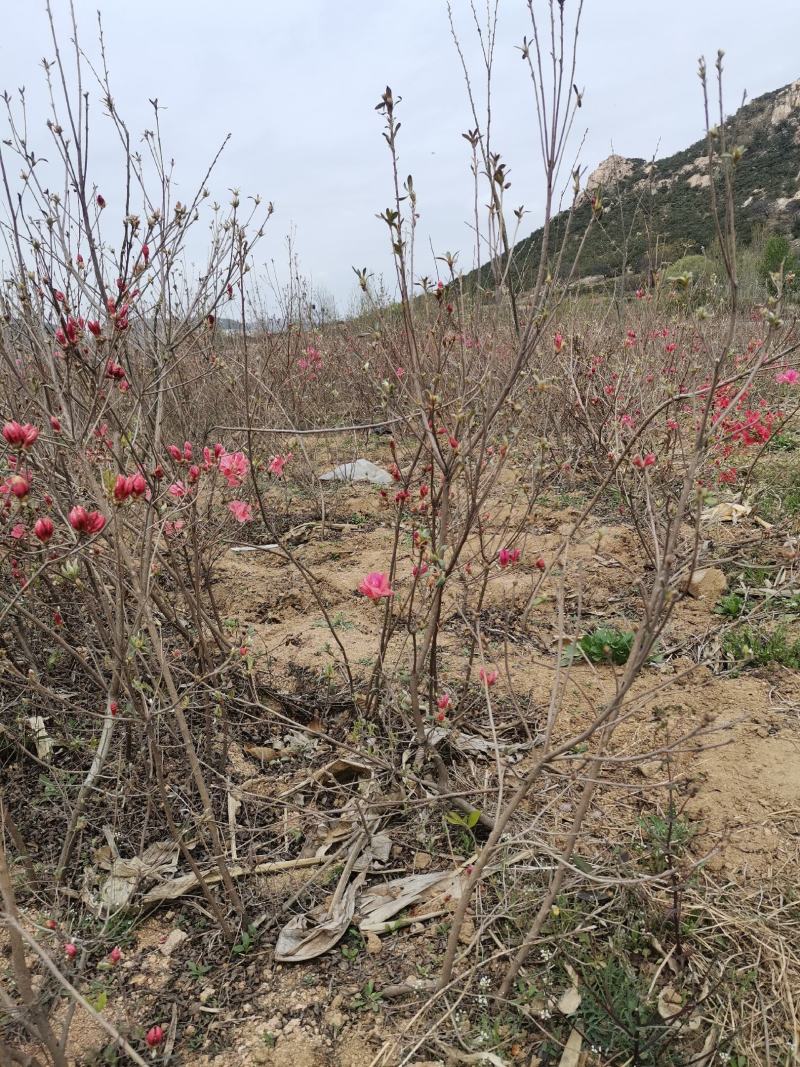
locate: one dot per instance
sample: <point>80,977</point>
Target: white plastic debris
<point>362,470</point>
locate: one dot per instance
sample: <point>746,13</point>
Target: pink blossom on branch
<point>488,677</point>
<point>277,463</point>
<point>507,556</point>
<point>20,435</point>
<point>788,377</point>
<point>88,522</point>
<point>376,585</point>
<point>43,529</point>
<point>233,466</point>
<point>241,510</point>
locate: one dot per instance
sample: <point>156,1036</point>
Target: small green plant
<point>619,1016</point>
<point>338,622</point>
<point>353,945</point>
<point>455,818</point>
<point>246,941</point>
<point>197,970</point>
<point>730,605</point>
<point>369,999</point>
<point>666,837</point>
<point>604,644</point>
<point>752,646</point>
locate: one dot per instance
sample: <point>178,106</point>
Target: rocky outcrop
<point>787,104</point>
<point>611,170</point>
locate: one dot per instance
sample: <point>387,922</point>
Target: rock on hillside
<point>670,196</point>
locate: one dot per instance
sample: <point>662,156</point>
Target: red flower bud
<point>19,486</point>
<point>88,522</point>
<point>154,1036</point>
<point>43,529</point>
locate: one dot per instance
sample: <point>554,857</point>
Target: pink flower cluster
<point>311,363</point>
<point>507,556</point>
<point>131,485</point>
<point>20,435</point>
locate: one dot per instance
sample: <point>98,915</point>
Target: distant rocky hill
<point>668,199</point>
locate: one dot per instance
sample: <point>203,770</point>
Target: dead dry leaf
<point>570,1001</point>
<point>43,741</point>
<point>159,860</point>
<point>571,1055</point>
<point>307,936</point>
<point>726,511</point>
<point>378,904</point>
<point>670,1002</point>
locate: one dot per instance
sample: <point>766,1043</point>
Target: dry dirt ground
<point>738,774</point>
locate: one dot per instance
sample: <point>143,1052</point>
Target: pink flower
<point>376,585</point>
<point>94,327</point>
<point>419,569</point>
<point>175,453</point>
<point>233,467</point>
<point>70,950</point>
<point>115,955</point>
<point>241,510</point>
<point>43,529</point>
<point>507,556</point>
<point>18,531</point>
<point>114,370</point>
<point>20,435</point>
<point>177,489</point>
<point>88,522</point>
<point>444,702</point>
<point>488,677</point>
<point>558,342</point>
<point>788,377</point>
<point>277,463</point>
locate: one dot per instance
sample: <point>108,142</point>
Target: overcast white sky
<point>296,81</point>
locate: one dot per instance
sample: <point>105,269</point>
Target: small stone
<point>708,584</point>
<point>422,860</point>
<point>207,994</point>
<point>335,1019</point>
<point>467,932</point>
<point>173,939</point>
<point>260,1054</point>
<point>373,943</point>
